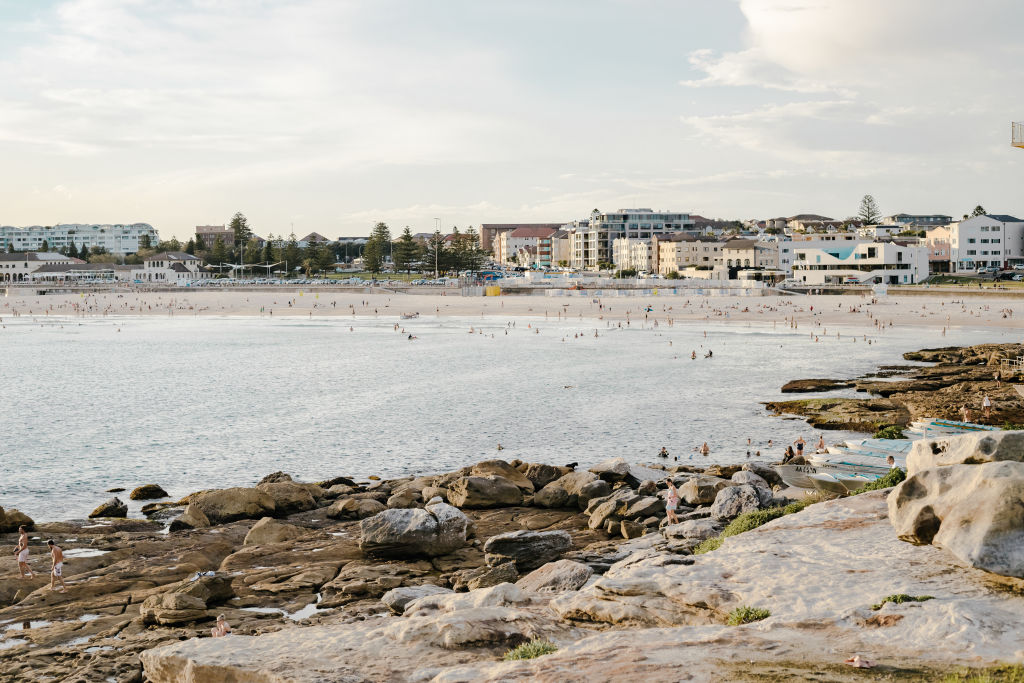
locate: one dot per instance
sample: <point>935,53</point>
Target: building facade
<point>635,254</point>
<point>171,268</point>
<point>114,238</point>
<point>508,243</point>
<point>676,252</point>
<point>211,233</point>
<point>925,221</point>
<point>19,267</point>
<point>489,231</point>
<point>592,240</point>
<point>889,263</point>
<point>990,241</point>
<point>744,253</point>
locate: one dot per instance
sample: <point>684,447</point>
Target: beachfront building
<point>937,240</point>
<point>747,253</point>
<point>989,241</point>
<point>80,272</point>
<point>561,249</point>
<point>917,221</point>
<point>592,240</point>
<point>116,238</point>
<point>680,251</point>
<point>172,268</point>
<point>890,263</point>
<point>209,234</point>
<point>19,267</point>
<point>489,232</point>
<point>790,243</point>
<point>508,243</point>
<point>635,254</point>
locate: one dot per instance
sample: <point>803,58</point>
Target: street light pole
<point>437,231</point>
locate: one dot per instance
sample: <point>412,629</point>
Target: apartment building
<point>745,253</point>
<point>788,245</point>
<point>489,232</point>
<point>938,242</point>
<point>989,241</point>
<point>917,221</point>
<point>209,234</point>
<point>677,252</point>
<point>635,254</point>
<point>592,240</point>
<point>890,263</point>
<point>508,243</point>
<point>114,238</point>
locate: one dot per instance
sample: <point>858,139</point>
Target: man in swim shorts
<point>57,571</point>
<point>21,552</point>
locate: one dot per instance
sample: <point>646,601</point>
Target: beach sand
<point>927,311</point>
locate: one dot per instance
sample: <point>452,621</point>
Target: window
<point>995,240</point>
<point>971,252</point>
<point>970,240</point>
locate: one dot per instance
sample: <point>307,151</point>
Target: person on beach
<point>21,552</point>
<point>986,406</point>
<point>221,629</point>
<point>671,502</point>
<point>663,453</point>
<point>57,568</point>
<point>965,413</point>
<point>789,455</point>
<point>704,450</point>
<point>821,443</point>
<point>800,445</point>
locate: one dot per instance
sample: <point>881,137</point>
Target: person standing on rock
<point>986,405</point>
<point>21,552</point>
<point>57,570</point>
<point>671,502</point>
<point>965,412</point>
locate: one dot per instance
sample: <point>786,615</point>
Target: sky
<point>331,115</point>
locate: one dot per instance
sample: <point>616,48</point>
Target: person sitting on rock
<point>221,629</point>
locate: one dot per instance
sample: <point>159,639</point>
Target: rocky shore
<point>434,578</point>
<point>958,376</point>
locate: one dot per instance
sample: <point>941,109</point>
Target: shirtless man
<point>21,552</point>
<point>57,570</point>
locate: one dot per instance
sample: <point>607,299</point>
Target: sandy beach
<point>927,311</point>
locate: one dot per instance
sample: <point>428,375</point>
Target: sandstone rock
<point>397,598</point>
<point>592,490</point>
<point>168,609</point>
<point>336,481</point>
<point>114,507</point>
<point>612,527</point>
<point>630,529</point>
<point>268,530</point>
<point>338,490</point>
<point>484,492</point>
<point>404,499</point>
<point>502,595</point>
<point>147,492</point>
<point>229,505</point>
<point>571,484</point>
<point>434,530</point>
<point>765,472</point>
<point>556,577</point>
<point>723,471</point>
<point>815,385</point>
<point>973,511</point>
<point>484,577</point>
<point>693,529</point>
<point>735,500</point>
<point>702,490</point>
<point>966,449</point>
<point>11,519</point>
<point>551,496</point>
<point>275,477</point>
<point>430,492</point>
<point>500,468</point>
<point>540,475</point>
<point>646,506</point>
<point>290,497</point>
<point>192,518</point>
<point>528,549</point>
<point>618,469</point>
<point>212,590</point>
<point>764,491</point>
<point>355,508</point>
<point>648,488</point>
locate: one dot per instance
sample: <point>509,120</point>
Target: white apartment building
<point>790,243</point>
<point>116,239</point>
<point>19,267</point>
<point>677,252</point>
<point>744,253</point>
<point>172,268</point>
<point>592,241</point>
<point>990,241</point>
<point>909,220</point>
<point>889,263</point>
<point>634,254</point>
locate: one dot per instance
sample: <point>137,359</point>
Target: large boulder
<point>12,519</point>
<point>765,472</point>
<point>702,490</point>
<point>192,518</point>
<point>764,491</point>
<point>484,492</point>
<point>966,449</point>
<point>229,505</point>
<point>528,549</point>
<point>355,508</point>
<point>147,492</point>
<point>571,484</point>
<point>397,598</point>
<point>275,477</point>
<point>437,529</point>
<point>212,590</point>
<point>540,475</point>
<point>973,511</point>
<point>734,501</point>
<point>500,468</point>
<point>168,609</point>
<point>114,507</point>
<point>290,497</point>
<point>693,530</point>
<point>556,577</point>
<point>268,530</point>
<point>618,469</point>
<point>591,490</point>
<point>551,496</point>
<point>484,577</point>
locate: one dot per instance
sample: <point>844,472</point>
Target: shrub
<point>895,476</point>
<point>1010,673</point>
<point>531,650</point>
<point>746,615</point>
<point>708,545</point>
<point>751,520</point>
<point>899,599</point>
<point>889,432</point>
<point>1012,426</point>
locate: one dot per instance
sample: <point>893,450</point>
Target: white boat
<point>894,446</point>
<point>939,427</point>
<point>410,316</point>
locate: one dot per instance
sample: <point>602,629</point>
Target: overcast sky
<point>330,115</point>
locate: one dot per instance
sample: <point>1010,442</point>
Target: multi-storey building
<point>172,267</point>
<point>592,240</point>
<point>635,254</point>
<point>989,241</point>
<point>114,238</point>
<point>209,234</point>
<point>489,231</point>
<point>890,263</point>
<point>790,243</point>
<point>19,267</point>
<point>676,252</point>
<point>908,220</point>
<point>508,243</point>
<point>937,241</point>
<point>741,253</point>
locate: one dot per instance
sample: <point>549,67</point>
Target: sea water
<point>197,403</point>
